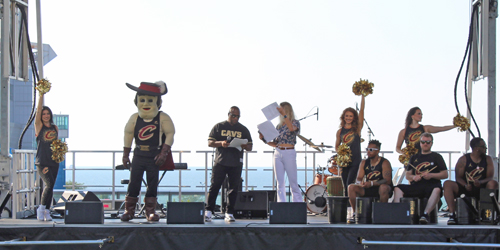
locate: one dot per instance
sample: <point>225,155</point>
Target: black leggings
<point>49,176</point>
<point>349,175</point>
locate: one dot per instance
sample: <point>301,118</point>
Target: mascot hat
<point>158,88</point>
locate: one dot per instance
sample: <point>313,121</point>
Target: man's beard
<point>373,157</point>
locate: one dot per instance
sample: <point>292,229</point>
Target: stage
<point>242,234</point>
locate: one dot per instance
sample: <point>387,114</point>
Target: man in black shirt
<point>228,161</point>
<point>425,171</point>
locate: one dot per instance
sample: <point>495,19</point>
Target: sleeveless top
<point>43,152</point>
<point>352,139</point>
<point>474,171</point>
<point>374,173</point>
<point>147,137</point>
<point>412,135</point>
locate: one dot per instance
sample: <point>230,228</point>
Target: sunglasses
<point>426,142</point>
<point>371,149</point>
<point>234,116</point>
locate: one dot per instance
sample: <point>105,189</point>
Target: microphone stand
<point>370,131</point>
<point>307,116</point>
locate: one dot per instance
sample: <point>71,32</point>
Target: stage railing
<point>24,176</point>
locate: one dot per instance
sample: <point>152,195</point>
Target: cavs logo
<point>348,138</point>
<point>50,135</point>
<point>373,176</point>
<point>474,174</point>
<point>421,168</point>
<point>414,137</point>
<point>146,132</point>
<point>45,170</point>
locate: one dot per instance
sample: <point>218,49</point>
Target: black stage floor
<point>139,234</point>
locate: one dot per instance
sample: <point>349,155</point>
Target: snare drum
<point>332,166</point>
<point>320,179</point>
<point>335,186</point>
<point>316,199</point>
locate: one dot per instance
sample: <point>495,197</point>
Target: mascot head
<point>148,98</point>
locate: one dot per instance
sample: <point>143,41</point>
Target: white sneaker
<point>46,215</point>
<point>208,216</point>
<point>40,213</point>
<point>229,218</point>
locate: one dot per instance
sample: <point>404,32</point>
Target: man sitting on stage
<point>425,171</point>
<point>472,172</point>
<point>376,172</point>
<point>228,161</point>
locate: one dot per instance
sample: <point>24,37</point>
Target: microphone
<point>229,139</point>
<point>317,113</point>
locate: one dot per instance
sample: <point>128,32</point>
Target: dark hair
<point>411,112</point>
<point>51,121</point>
<point>354,125</point>
<point>158,101</point>
<point>475,142</point>
<point>376,143</point>
<point>234,107</point>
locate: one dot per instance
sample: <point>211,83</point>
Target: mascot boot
<point>150,205</point>
<point>130,204</point>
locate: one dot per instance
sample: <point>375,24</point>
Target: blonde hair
<point>288,112</point>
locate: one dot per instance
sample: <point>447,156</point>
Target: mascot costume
<point>153,132</point>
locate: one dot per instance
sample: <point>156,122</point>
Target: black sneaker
<point>424,219</point>
<point>452,220</point>
<point>352,220</point>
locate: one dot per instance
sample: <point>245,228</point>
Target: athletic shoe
<point>452,220</point>
<point>424,219</point>
<point>229,218</point>
<point>40,213</point>
<point>46,215</point>
<point>208,216</point>
<point>352,220</point>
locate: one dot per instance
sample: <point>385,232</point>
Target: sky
<point>216,54</point>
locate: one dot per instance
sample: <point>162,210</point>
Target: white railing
<point>24,176</point>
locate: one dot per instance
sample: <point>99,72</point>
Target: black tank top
<point>43,152</point>
<point>147,137</point>
<point>475,171</point>
<point>412,135</point>
<point>351,138</point>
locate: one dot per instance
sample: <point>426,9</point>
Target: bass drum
<point>316,199</point>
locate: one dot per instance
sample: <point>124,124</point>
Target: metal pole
<point>492,113</point>
<point>5,82</point>
<point>39,45</point>
<point>433,244</point>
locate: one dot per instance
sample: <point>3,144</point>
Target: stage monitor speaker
<point>391,213</point>
<point>185,213</point>
<point>91,212</point>
<point>251,204</point>
<point>74,196</point>
<point>288,213</point>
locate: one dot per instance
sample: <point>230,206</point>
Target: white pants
<point>285,161</point>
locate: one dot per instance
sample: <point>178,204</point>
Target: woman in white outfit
<point>285,154</point>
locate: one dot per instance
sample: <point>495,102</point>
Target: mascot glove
<point>125,159</point>
<point>162,156</point>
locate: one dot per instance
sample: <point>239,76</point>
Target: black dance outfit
<point>46,167</point>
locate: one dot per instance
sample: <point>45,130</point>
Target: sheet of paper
<point>270,111</point>
<point>237,142</point>
<point>268,130</point>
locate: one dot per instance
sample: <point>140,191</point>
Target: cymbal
<point>324,146</point>
<point>308,142</point>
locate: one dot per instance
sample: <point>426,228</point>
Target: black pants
<point>349,175</point>
<point>219,173</point>
<point>49,176</point>
<point>140,165</point>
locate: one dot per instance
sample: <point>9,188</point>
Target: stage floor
<point>242,234</point>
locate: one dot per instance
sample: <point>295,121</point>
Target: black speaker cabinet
<point>391,213</point>
<point>288,213</point>
<point>74,196</point>
<point>251,204</point>
<point>91,212</point>
<point>487,212</point>
<point>185,213</point>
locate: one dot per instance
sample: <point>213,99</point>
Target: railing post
<point>113,182</point>
<point>74,170</point>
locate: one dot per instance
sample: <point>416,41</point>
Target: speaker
<point>251,204</point>
<point>391,213</point>
<point>91,212</point>
<point>288,213</point>
<point>185,213</point>
<point>74,196</point>
<point>488,214</point>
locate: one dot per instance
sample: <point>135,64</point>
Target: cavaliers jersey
<point>231,157</point>
<point>43,152</point>
<point>374,173</point>
<point>351,138</point>
<point>147,137</point>
<point>412,135</point>
<point>433,163</point>
<point>474,171</point>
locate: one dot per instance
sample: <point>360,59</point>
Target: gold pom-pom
<point>408,152</point>
<point>59,150</point>
<point>362,87</point>
<point>343,157</point>
<point>43,86</point>
<point>461,122</point>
